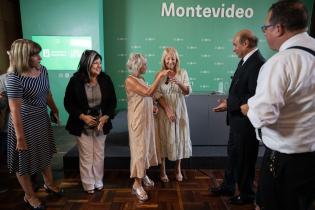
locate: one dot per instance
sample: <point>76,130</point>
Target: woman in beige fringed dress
<point>141,123</point>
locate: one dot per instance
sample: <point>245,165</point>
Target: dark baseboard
<point>118,157</point>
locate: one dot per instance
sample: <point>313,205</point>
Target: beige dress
<point>174,138</point>
<point>141,133</point>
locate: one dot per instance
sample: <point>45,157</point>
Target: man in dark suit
<point>242,146</point>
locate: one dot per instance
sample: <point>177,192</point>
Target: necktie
<point>235,77</point>
<point>240,63</point>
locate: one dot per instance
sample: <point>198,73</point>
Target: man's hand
<point>244,109</point>
<point>222,107</point>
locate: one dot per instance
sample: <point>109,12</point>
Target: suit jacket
<point>76,102</point>
<point>243,87</point>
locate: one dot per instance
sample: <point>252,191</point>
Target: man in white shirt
<point>283,107</point>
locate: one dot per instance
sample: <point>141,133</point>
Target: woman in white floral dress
<point>174,134</point>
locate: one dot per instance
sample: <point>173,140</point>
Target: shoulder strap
<point>303,48</point>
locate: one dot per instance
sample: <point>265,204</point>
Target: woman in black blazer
<point>90,100</point>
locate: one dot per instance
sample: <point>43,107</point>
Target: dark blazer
<point>76,103</point>
<point>243,86</point>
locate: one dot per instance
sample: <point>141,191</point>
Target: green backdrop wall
<point>202,38</point>
<point>63,18</point>
<point>201,30</point>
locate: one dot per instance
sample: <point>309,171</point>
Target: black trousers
<point>287,181</point>
<point>240,167</point>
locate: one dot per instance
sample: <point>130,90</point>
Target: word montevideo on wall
<point>207,12</point>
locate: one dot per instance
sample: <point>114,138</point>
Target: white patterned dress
<point>174,138</point>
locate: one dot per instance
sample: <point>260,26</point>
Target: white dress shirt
<point>284,103</point>
<point>248,55</point>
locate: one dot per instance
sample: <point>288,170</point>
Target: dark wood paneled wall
<point>10,29</point>
<point>312,28</point>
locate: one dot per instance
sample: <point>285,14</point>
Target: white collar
<point>291,41</point>
<point>249,54</point>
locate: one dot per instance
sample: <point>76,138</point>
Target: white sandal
<point>164,178</point>
<point>147,181</point>
<point>140,193</point>
<point>179,177</point>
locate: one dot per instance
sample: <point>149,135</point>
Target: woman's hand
<point>88,119</point>
<point>165,72</point>
<point>102,121</point>
<point>174,80</point>
<point>170,115</point>
<point>21,144</point>
<point>155,109</point>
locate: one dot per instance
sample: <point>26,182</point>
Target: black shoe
<point>51,191</point>
<point>3,190</point>
<point>241,200</point>
<point>217,191</point>
<point>40,206</point>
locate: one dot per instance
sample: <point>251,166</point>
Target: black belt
<point>274,157</point>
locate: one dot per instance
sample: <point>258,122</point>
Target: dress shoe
<point>217,191</point>
<point>241,200</point>
<point>140,193</point>
<point>179,177</point>
<point>164,178</point>
<point>147,181</point>
<point>99,188</point>
<point>56,192</point>
<point>34,204</point>
<point>90,192</point>
<point>3,189</point>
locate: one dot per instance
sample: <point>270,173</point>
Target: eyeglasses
<point>265,27</point>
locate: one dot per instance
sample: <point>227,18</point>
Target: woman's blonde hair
<point>171,51</point>
<point>20,54</point>
<point>135,62</point>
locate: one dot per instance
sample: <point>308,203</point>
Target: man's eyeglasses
<point>264,27</point>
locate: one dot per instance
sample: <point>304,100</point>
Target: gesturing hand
<point>222,107</point>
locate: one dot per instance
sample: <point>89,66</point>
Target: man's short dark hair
<point>292,14</point>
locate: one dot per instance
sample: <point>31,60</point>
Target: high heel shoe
<point>90,192</point>
<point>38,206</point>
<point>147,181</point>
<point>99,188</point>
<point>140,193</point>
<point>179,177</point>
<point>53,191</point>
<point>164,178</point>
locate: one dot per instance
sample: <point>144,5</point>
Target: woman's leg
<point>163,175</point>
<point>27,186</point>
<point>85,146</point>
<point>49,180</point>
<point>179,176</point>
<point>98,160</point>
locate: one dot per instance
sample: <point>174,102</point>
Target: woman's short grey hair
<point>135,62</point>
